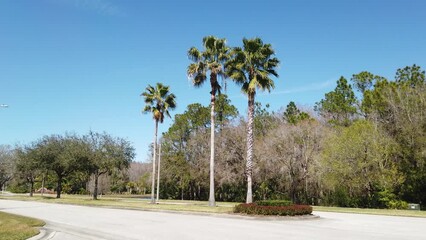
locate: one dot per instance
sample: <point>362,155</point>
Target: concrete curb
<point>44,234</point>
<point>223,215</point>
<point>277,218</point>
<point>229,215</point>
<point>39,236</point>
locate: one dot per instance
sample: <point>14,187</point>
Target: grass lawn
<point>126,202</point>
<point>388,212</point>
<point>14,227</point>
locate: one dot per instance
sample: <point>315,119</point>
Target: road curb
<point>44,234</point>
<point>276,218</point>
<point>223,215</point>
<point>234,216</point>
<point>39,236</point>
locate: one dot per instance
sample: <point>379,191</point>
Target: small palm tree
<point>211,61</point>
<point>251,67</point>
<point>158,101</point>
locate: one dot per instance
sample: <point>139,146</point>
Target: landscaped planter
<point>255,209</point>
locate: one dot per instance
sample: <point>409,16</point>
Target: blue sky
<point>76,65</point>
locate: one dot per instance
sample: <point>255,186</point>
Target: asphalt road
<point>66,222</point>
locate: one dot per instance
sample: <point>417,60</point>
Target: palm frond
<point>147,109</point>
<point>199,79</point>
<point>194,54</point>
<point>209,42</point>
<point>192,69</point>
<point>245,87</point>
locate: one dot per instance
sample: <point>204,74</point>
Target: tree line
<point>69,159</point>
<point>362,145</point>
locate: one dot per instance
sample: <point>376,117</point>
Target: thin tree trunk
<point>95,190</point>
<point>42,184</point>
<point>249,165</point>
<point>306,191</point>
<point>59,188</point>
<point>158,176</point>
<point>181,191</point>
<point>153,164</point>
<point>213,82</point>
<point>31,187</point>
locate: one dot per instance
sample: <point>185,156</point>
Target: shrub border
<point>254,209</point>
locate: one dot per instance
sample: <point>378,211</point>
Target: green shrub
<point>254,209</point>
<point>83,191</point>
<point>18,188</point>
<point>341,198</point>
<point>281,203</point>
<point>390,201</point>
<point>397,204</point>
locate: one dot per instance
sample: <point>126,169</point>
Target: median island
<point>274,208</point>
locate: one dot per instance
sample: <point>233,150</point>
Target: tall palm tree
<point>158,101</point>
<point>210,61</point>
<point>251,67</point>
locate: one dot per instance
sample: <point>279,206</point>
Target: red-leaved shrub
<point>254,209</point>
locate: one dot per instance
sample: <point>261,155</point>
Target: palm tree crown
<point>252,65</point>
<point>158,101</point>
<point>210,60</point>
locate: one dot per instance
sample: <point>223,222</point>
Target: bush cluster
<point>280,203</point>
<point>397,204</point>
<point>254,209</point>
<point>389,200</point>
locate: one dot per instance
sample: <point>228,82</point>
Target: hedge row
<point>280,203</point>
<point>254,209</point>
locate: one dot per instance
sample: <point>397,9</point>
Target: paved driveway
<point>78,222</point>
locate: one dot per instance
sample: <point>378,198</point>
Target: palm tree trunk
<point>153,164</point>
<point>213,79</point>
<point>158,176</point>
<point>249,164</point>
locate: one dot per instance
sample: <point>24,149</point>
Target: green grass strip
<point>130,203</point>
<point>386,212</point>
<point>15,227</point>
